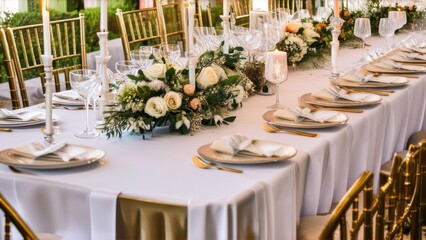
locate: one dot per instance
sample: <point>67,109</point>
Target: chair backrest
<point>172,20</point>
<point>139,27</point>
<point>68,50</point>
<point>363,217</point>
<point>398,200</point>
<point>241,9</point>
<point>11,72</point>
<point>422,204</point>
<point>12,217</point>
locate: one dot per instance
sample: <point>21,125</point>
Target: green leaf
<point>230,119</point>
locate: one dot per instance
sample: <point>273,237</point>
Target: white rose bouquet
<point>162,96</point>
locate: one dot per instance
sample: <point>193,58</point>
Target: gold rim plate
<point>8,158</point>
<point>308,98</point>
<point>212,155</point>
<point>11,123</point>
<point>338,120</point>
<point>346,83</point>
<point>376,69</point>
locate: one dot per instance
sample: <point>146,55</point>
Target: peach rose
<point>292,27</point>
<point>195,103</point>
<point>189,89</point>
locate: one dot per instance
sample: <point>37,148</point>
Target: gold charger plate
<point>212,155</point>
<point>376,69</point>
<point>401,59</point>
<point>340,119</point>
<point>48,162</point>
<point>308,98</point>
<point>345,83</point>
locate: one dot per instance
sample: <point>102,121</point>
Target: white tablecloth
<point>266,200</point>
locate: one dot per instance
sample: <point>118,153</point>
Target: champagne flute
<point>276,72</point>
<point>386,29</point>
<point>85,82</point>
<point>362,30</point>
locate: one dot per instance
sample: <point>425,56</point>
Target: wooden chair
<point>241,9</point>
<point>25,44</point>
<point>12,217</point>
<point>139,27</point>
<point>173,27</point>
<point>145,219</point>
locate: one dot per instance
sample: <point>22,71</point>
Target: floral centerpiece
<point>161,95</point>
<point>299,39</point>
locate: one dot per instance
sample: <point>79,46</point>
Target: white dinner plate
<point>8,158</point>
<point>337,120</point>
<point>371,100</point>
<point>208,153</point>
<point>17,123</point>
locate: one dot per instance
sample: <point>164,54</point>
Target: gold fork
<point>201,163</point>
<point>273,129</point>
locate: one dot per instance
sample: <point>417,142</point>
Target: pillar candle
<point>336,8</point>
<point>46,29</point>
<point>104,15</point>
<point>226,7</point>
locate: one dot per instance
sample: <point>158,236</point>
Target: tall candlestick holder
<point>48,129</point>
<point>336,24</point>
<point>225,26</point>
<point>102,71</point>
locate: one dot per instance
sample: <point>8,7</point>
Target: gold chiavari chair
<point>143,219</point>
<point>209,15</point>
<point>324,227</point>
<point>241,9</point>
<point>10,69</point>
<point>12,217</point>
<point>68,50</point>
<point>139,27</point>
<point>170,15</point>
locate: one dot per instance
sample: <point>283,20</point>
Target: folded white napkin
<point>389,64</point>
<point>19,115</point>
<point>332,94</point>
<point>418,49</point>
<point>298,114</point>
<point>69,95</point>
<point>235,144</point>
<point>362,79</point>
<point>59,151</point>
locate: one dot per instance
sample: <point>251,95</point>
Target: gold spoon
<point>272,129</point>
<point>6,130</point>
<point>199,162</point>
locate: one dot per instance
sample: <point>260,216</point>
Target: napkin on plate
<point>298,114</point>
<point>389,64</point>
<point>411,56</point>
<point>332,94</point>
<point>418,49</point>
<point>363,79</point>
<point>59,151</point>
<point>24,116</point>
<point>69,95</point>
<point>235,144</point>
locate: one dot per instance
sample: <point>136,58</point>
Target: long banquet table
<point>265,202</point>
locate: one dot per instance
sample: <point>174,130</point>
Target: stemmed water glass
<point>126,67</point>
<point>386,29</point>
<point>362,30</point>
<point>141,56</point>
<point>85,82</point>
<point>276,72</point>
<point>170,52</point>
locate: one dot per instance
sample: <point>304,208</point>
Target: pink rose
<point>189,89</point>
<point>195,103</point>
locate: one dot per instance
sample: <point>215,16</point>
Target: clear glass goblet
<point>85,82</point>
<point>142,56</point>
<point>276,72</point>
<point>126,67</point>
<point>170,52</point>
<point>362,29</point>
<point>386,30</point>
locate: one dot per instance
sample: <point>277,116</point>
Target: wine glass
<point>362,30</point>
<point>141,56</point>
<point>170,51</point>
<point>276,72</point>
<point>386,29</point>
<point>85,82</point>
<point>126,67</point>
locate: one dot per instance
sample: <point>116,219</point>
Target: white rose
<point>173,100</point>
<point>156,85</point>
<point>207,77</point>
<point>239,92</point>
<point>156,107</point>
<point>311,35</point>
<point>219,71</point>
<point>155,71</point>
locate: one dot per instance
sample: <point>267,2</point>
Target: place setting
<point>407,57</point>
<point>334,96</point>
<point>366,81</point>
<point>386,65</point>
<point>23,118</point>
<point>239,149</point>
